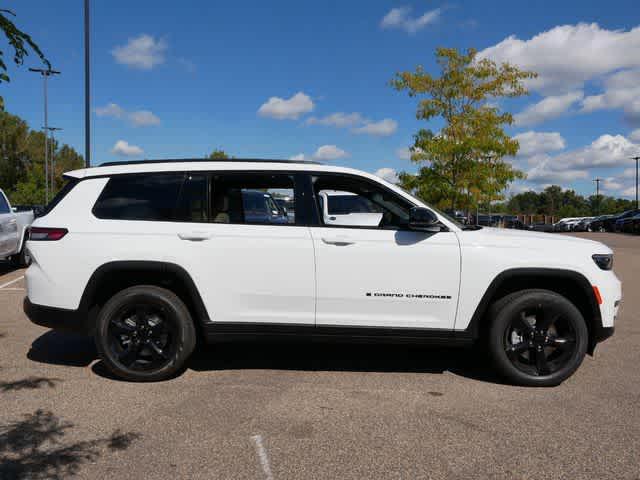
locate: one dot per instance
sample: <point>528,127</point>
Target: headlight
<point>605,262</point>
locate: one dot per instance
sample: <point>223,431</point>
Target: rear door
<point>250,261</point>
<point>8,228</point>
<point>384,275</point>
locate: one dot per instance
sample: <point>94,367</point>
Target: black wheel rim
<point>142,337</point>
<point>540,340</point>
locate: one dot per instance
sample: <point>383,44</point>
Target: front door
<point>384,275</point>
<point>8,229</point>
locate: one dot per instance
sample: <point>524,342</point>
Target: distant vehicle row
<point>627,222</point>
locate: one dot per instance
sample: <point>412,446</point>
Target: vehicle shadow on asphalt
<point>58,348</point>
<point>7,267</point>
<point>310,356</point>
<point>73,350</point>
<point>33,447</point>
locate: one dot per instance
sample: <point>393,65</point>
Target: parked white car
<point>146,257</point>
<point>13,228</point>
<point>346,208</point>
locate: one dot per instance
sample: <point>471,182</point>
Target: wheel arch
<point>113,277</point>
<point>570,284</point>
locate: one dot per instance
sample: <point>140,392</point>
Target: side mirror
<point>424,220</point>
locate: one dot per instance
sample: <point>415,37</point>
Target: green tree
<point>22,161</point>
<point>563,203</point>
<point>14,146</point>
<point>219,154</point>
<point>461,164</point>
<point>19,41</point>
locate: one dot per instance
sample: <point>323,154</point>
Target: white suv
<point>147,257</point>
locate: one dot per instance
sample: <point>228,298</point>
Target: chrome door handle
<point>195,236</point>
<point>340,241</point>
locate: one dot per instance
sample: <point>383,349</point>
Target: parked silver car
<point>13,228</point>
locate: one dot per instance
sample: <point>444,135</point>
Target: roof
<point>186,165</point>
<point>191,160</point>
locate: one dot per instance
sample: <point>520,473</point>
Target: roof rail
<point>186,160</point>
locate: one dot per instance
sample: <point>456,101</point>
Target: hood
<point>530,240</point>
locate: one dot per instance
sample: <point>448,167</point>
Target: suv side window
<point>348,201</point>
<point>262,199</point>
<point>140,197</point>
<point>4,206</point>
<point>193,204</point>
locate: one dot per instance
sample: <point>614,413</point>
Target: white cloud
<point>143,118</point>
<point>124,149</point>
<point>143,52</point>
<point>403,153</point>
<point>548,108</point>
<point>289,109</point>
<point>567,56</point>
<point>298,158</point>
<point>401,18</point>
<point>338,119</point>
<point>605,151</point>
<point>635,135</point>
<point>358,123</point>
<point>532,143</point>
<point>329,152</point>
<point>388,174</point>
<point>138,118</point>
<point>622,90</point>
<point>543,175</point>
<point>110,110</point>
<point>383,128</point>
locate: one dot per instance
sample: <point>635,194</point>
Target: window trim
<point>315,204</point>
<point>6,202</point>
<point>139,174</point>
<point>297,194</point>
<point>299,190</point>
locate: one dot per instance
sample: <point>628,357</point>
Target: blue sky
<point>284,79</point>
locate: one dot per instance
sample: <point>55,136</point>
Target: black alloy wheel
<point>540,341</point>
<point>536,337</point>
<point>144,334</point>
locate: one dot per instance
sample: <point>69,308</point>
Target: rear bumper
<point>56,318</point>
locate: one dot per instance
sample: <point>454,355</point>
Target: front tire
<point>537,338</point>
<point>145,334</point>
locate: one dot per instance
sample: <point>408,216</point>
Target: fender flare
<point>594,322</point>
<point>149,266</point>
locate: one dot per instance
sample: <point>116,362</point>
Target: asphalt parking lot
<point>316,411</point>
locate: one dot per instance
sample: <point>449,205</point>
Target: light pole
<point>53,158</point>
<point>46,73</point>
<point>87,86</point>
<point>636,158</point>
<point>597,180</point>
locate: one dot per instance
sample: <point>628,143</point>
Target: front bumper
<point>56,318</point>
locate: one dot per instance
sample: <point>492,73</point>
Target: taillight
<point>50,234</point>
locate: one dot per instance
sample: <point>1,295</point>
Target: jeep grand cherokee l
<point>148,257</point>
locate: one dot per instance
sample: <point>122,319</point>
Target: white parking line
<point>262,454</point>
<point>11,282</point>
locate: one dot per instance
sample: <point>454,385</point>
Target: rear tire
<point>536,338</point>
<point>145,334</point>
<point>22,259</point>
